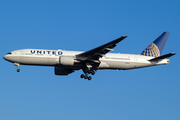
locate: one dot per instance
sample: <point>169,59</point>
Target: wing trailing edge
<point>100,51</point>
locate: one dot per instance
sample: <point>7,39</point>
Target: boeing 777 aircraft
<point>66,62</point>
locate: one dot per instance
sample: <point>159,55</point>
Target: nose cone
<point>11,58</point>
<point>5,57</point>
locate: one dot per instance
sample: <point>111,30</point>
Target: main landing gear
<point>89,68</point>
<point>86,72</point>
<point>17,65</point>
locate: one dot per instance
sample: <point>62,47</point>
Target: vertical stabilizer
<point>155,48</point>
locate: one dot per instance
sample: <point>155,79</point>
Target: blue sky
<point>151,93</point>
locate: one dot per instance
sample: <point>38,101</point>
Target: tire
<point>85,77</point>
<point>89,78</point>
<point>18,70</point>
<point>92,72</point>
<point>82,76</point>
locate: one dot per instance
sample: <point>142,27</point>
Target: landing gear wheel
<point>87,71</point>
<point>92,73</point>
<point>82,76</point>
<point>85,77</point>
<point>89,78</point>
<point>18,70</point>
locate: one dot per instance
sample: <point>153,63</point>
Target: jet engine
<point>62,71</point>
<point>66,60</point>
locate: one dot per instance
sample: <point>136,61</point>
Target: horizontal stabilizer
<point>162,57</point>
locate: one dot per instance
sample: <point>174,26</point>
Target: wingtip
<point>124,36</point>
<point>173,53</point>
<point>166,32</point>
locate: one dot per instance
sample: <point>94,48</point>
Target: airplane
<point>66,62</point>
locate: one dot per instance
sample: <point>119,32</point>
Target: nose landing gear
<point>17,65</point>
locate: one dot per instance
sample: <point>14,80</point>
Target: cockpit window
<point>9,53</point>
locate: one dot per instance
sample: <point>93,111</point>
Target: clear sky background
<point>35,93</point>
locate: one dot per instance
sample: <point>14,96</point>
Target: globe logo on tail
<point>152,50</point>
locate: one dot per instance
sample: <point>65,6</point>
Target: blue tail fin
<point>155,48</point>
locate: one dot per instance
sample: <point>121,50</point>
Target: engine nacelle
<point>66,60</point>
<point>62,71</point>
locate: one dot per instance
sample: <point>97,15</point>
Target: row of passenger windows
<point>118,58</point>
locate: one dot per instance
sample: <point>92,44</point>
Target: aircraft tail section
<point>156,47</point>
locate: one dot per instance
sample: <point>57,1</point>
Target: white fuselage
<point>51,58</point>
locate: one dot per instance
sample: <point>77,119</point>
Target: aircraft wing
<point>100,51</point>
